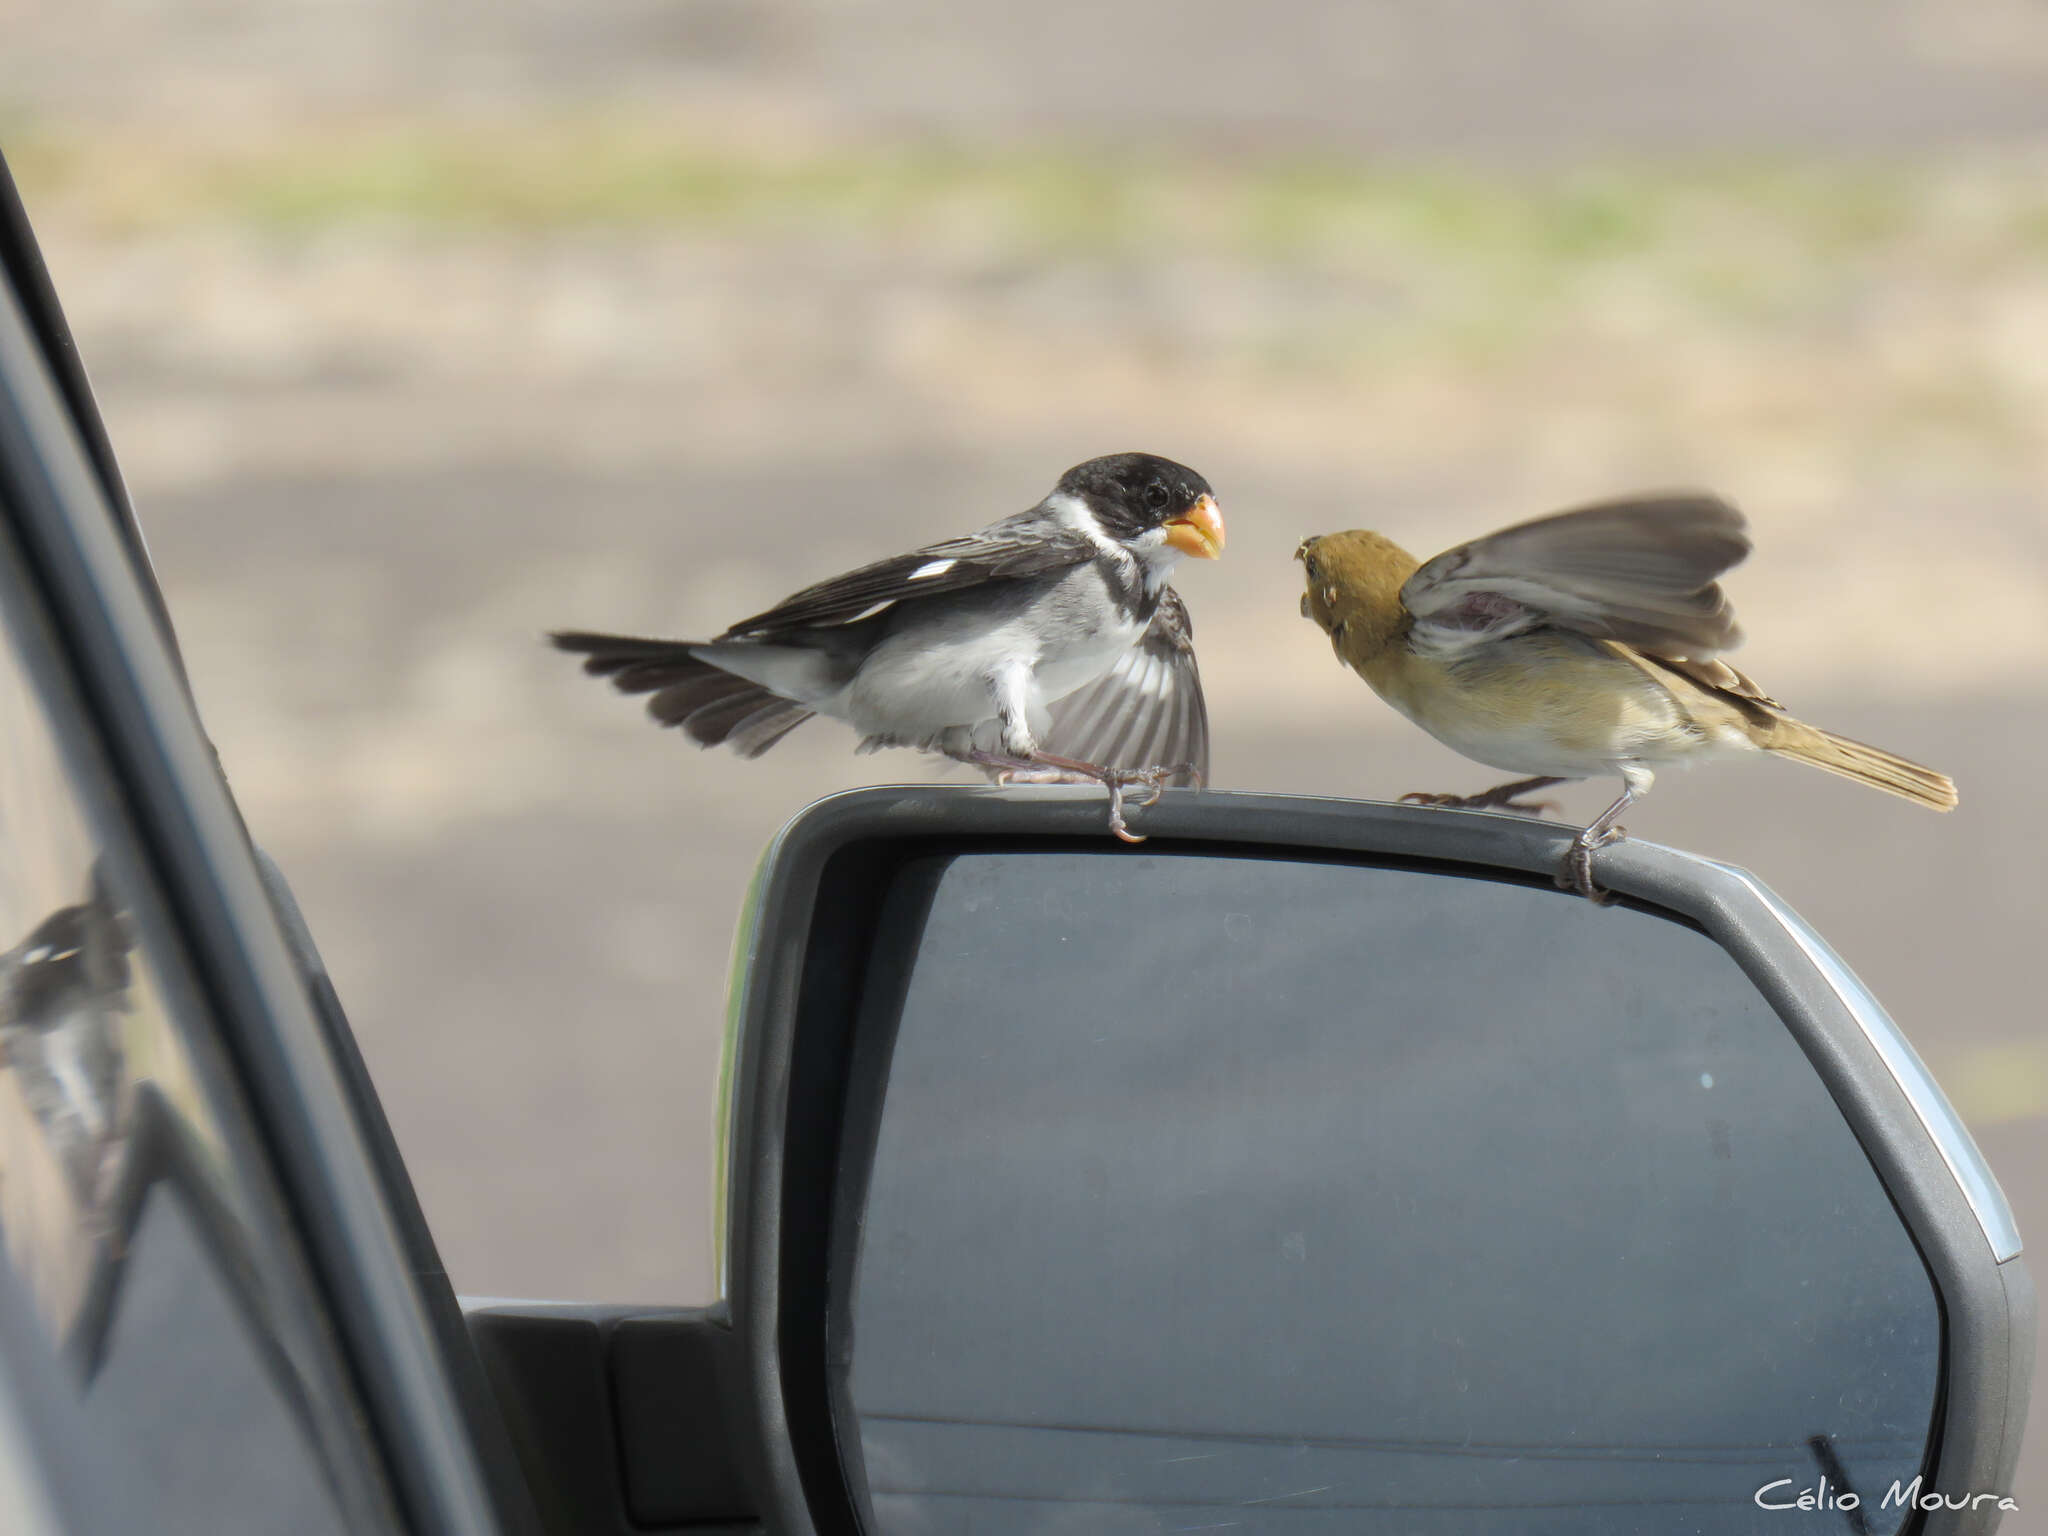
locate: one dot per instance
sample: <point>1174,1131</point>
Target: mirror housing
<point>795,1199</point>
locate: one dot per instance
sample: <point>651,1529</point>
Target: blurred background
<point>421,330</point>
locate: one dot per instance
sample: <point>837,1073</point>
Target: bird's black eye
<point>1155,496</point>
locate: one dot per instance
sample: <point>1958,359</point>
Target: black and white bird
<point>1047,646</point>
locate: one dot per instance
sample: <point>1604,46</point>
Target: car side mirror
<point>1319,1166</point>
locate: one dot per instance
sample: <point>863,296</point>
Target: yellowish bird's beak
<point>1199,532</point>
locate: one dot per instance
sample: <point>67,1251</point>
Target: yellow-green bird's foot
<point>1502,797</point>
<point>1577,873</point>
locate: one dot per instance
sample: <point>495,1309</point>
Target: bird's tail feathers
<point>1865,764</point>
<point>713,707</point>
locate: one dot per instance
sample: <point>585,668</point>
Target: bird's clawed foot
<point>1037,773</point>
<point>1152,780</point>
<point>1047,769</point>
<point>1503,797</point>
<point>1577,873</point>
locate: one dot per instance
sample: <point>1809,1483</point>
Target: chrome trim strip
<point>1951,1137</point>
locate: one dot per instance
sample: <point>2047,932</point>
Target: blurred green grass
<point>1892,306</point>
<point>604,172</point>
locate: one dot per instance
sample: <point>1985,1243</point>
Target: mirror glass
<point>1227,1194</point>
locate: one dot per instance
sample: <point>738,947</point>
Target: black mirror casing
<point>795,1193</point>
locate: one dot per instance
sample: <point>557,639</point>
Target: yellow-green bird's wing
<point>1640,571</point>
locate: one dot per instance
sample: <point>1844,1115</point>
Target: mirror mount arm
<point>627,1420</point>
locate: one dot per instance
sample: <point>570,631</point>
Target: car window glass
<point>135,1212</point>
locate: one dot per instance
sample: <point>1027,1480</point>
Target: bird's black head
<point>1134,495</point>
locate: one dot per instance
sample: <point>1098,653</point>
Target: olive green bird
<point>1583,644</point>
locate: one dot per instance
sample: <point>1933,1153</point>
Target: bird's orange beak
<point>1198,531</point>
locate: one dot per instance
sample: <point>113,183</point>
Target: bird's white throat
<point>1149,556</point>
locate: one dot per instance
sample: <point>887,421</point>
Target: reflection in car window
<point>1216,1193</point>
<point>134,1212</point>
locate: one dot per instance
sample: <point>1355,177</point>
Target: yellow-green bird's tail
<point>1865,764</point>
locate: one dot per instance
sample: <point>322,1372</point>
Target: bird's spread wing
<point>1147,712</point>
<point>1029,544</point>
<point>1639,571</point>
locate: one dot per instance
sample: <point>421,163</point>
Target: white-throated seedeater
<point>1047,645</point>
